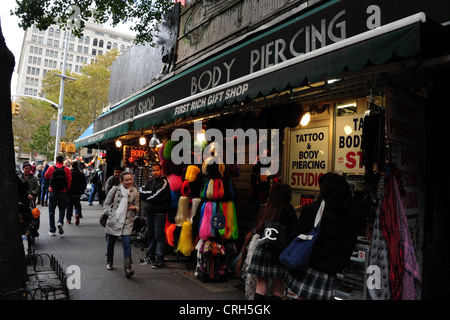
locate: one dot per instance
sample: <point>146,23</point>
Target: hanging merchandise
<point>185,243</point>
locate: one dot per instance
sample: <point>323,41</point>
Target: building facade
<point>43,51</point>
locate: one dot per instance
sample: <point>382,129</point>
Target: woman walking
<point>265,264</point>
<point>121,205</point>
<point>339,230</point>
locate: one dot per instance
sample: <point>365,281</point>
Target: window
<point>41,40</point>
<point>57,33</point>
<point>94,43</point>
<point>56,43</point>
<point>51,32</point>
<point>100,44</point>
<point>40,51</point>
<point>27,80</point>
<point>115,46</point>
<point>46,63</point>
<point>122,48</point>
<point>31,49</point>
<point>33,38</point>
<point>72,37</point>
<point>108,45</point>
<point>71,46</point>
<point>87,40</point>
<point>30,59</point>
<point>80,49</point>
<point>86,50</point>
<point>94,52</point>
<point>49,42</point>
<point>100,52</point>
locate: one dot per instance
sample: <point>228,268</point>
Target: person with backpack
<point>77,188</point>
<point>60,179</point>
<point>96,181</point>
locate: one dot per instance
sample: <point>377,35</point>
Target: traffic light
<point>70,148</point>
<point>15,107</point>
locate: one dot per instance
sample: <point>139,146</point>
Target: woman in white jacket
<point>121,205</point>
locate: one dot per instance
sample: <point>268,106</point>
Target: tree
<point>73,14</point>
<point>42,142</point>
<point>13,271</point>
<point>84,97</point>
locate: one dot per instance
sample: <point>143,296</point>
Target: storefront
<point>346,67</point>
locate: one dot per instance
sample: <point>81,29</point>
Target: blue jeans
<point>93,192</point>
<point>55,199</point>
<point>156,235</point>
<point>126,244</point>
<point>73,201</point>
<point>44,194</point>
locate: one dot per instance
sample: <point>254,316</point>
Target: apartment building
<point>43,51</point>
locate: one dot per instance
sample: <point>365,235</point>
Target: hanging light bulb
<point>142,141</point>
<point>201,136</point>
<point>305,119</point>
<point>118,143</point>
<point>155,142</point>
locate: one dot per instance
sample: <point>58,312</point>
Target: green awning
<point>107,134</point>
<point>401,39</point>
<point>398,40</point>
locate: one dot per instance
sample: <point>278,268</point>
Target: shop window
<point>345,108</point>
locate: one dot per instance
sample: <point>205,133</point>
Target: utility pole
<point>61,94</point>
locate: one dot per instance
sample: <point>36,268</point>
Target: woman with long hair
<point>122,203</point>
<point>339,230</point>
<point>265,265</point>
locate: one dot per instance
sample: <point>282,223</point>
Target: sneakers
<point>60,228</point>
<point>158,264</point>
<point>90,204</point>
<point>51,234</point>
<point>146,260</point>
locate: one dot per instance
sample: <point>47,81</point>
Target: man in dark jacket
<point>76,190</point>
<point>156,194</point>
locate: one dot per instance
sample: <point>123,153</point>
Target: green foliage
<point>42,142</point>
<point>72,14</point>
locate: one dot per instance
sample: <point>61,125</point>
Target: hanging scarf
<point>390,227</point>
<point>411,277</point>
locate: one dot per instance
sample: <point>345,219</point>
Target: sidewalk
<point>84,246</point>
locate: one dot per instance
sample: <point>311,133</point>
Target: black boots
<point>109,261</point>
<point>127,267</point>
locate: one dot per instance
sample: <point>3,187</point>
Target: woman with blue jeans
<point>121,205</point>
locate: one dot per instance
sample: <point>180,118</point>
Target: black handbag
<point>103,219</point>
<point>275,237</point>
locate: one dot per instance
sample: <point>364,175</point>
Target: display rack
<point>352,280</point>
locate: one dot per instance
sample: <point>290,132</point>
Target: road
<point>85,246</point>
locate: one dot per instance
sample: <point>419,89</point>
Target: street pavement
<point>84,246</point>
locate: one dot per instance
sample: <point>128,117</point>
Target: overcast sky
<point>14,35</point>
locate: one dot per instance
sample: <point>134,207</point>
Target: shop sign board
<point>405,120</point>
<point>348,144</point>
<point>311,29</point>
<point>406,136</point>
<point>308,157</point>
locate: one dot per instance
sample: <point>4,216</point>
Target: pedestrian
<point>73,196</point>
<point>60,180</point>
<point>44,185</point>
<point>114,180</point>
<point>33,183</point>
<point>340,225</point>
<point>156,194</point>
<point>265,264</point>
<point>121,205</point>
<point>38,175</point>
<point>96,181</point>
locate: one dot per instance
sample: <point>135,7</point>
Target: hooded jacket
<point>337,239</point>
<point>156,194</point>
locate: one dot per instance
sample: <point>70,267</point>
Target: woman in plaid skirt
<point>340,225</point>
<point>264,264</point>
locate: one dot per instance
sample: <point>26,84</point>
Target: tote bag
<point>297,254</point>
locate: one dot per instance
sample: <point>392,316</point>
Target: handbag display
<point>275,237</point>
<point>298,253</point>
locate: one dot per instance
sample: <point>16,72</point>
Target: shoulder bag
<point>297,254</point>
<point>104,217</point>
